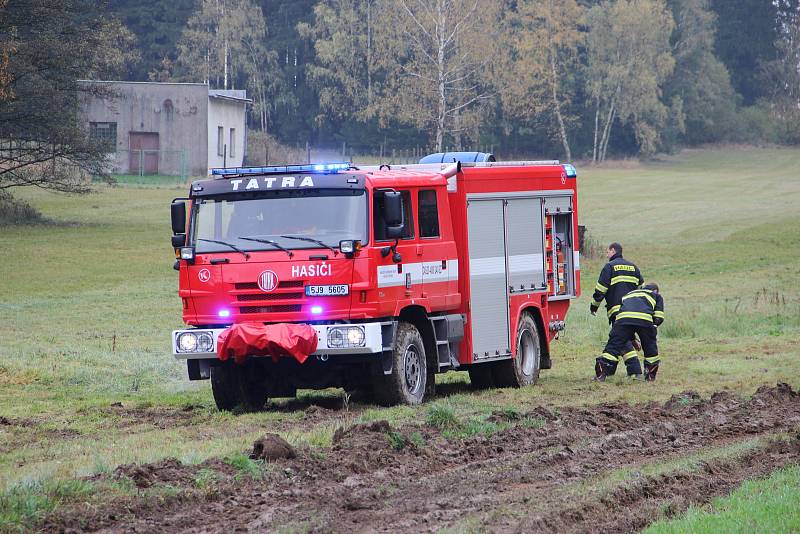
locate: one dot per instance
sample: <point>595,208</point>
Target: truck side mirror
<point>178,212</point>
<point>393,214</point>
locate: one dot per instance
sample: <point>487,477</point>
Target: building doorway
<point>144,153</point>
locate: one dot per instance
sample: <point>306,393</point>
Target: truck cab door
<point>435,251</point>
<point>401,280</point>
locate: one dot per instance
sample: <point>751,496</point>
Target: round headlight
<point>187,342</point>
<point>355,336</point>
<point>205,342</point>
<point>335,337</point>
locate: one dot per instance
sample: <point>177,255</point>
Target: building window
<point>232,143</point>
<point>169,109</point>
<point>105,132</point>
<point>220,141</point>
<point>428,214</point>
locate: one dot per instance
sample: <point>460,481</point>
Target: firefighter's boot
<point>632,364</point>
<point>603,368</point>
<point>650,371</point>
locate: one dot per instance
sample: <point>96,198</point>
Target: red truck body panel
<point>222,288</point>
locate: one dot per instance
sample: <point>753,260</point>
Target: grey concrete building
<point>168,128</point>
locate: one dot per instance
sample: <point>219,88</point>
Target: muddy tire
<point>524,369</point>
<point>480,376</point>
<point>407,383</point>
<point>237,385</point>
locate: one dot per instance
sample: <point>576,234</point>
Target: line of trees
<point>565,78</point>
<point>580,78</point>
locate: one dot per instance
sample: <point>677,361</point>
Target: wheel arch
<point>544,346</point>
<point>417,316</point>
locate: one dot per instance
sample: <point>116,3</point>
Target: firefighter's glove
<point>592,309</point>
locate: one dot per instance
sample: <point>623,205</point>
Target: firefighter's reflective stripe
<point>613,309</point>
<point>644,294</point>
<point>624,278</point>
<point>597,303</point>
<point>659,314</point>
<point>609,357</point>
<point>635,315</point>
<point>629,355</point>
<point>600,287</point>
<point>652,359</point>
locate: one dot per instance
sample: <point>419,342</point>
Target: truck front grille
<point>269,296</point>
<point>283,299</point>
<point>281,285</point>
<point>280,308</point>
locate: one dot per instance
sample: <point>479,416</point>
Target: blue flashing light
<point>314,168</point>
<point>224,313</point>
<point>570,171</point>
<point>316,310</point>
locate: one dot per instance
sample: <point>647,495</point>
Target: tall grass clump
<point>14,211</point>
<point>23,505</point>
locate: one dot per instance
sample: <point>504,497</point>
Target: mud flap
<point>388,335</point>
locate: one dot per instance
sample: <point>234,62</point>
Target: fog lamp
<point>205,343</point>
<point>346,336</point>
<point>187,253</point>
<point>187,342</point>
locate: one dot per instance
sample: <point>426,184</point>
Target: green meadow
<point>87,304</point>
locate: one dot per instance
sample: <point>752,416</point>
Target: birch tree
<point>542,51</point>
<point>629,57</point>
<point>783,74</point>
<point>214,45</point>
<point>445,50</point>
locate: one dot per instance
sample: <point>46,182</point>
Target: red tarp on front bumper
<point>257,339</point>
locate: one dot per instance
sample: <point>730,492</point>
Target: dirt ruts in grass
<point>558,477</point>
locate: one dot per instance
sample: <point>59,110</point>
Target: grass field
<point>768,505</point>
<point>87,304</point>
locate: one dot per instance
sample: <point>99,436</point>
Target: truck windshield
<point>285,218</point>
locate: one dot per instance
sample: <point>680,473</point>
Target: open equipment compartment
<point>561,247</point>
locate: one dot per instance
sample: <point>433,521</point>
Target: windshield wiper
<point>234,247</point>
<point>310,240</point>
<point>268,242</point>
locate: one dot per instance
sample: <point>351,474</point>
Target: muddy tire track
<point>515,480</point>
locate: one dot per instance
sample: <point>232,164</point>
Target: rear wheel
<point>234,385</point>
<point>523,370</point>
<point>407,382</point>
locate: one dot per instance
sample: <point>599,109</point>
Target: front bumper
<point>373,341</point>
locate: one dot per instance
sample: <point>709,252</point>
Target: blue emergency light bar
<point>311,168</point>
<point>570,171</point>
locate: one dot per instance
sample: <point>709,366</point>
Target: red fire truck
<point>397,272</point>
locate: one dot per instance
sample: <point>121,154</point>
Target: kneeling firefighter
<point>641,311</point>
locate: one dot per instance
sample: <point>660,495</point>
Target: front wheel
<point>523,370</point>
<point>238,385</point>
<point>407,382</point>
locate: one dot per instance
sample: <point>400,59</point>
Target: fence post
<point>141,163</point>
<point>184,170</point>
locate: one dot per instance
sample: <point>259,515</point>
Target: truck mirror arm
<point>396,257</point>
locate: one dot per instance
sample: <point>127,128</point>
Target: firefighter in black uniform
<point>618,277</point>
<point>641,311</point>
